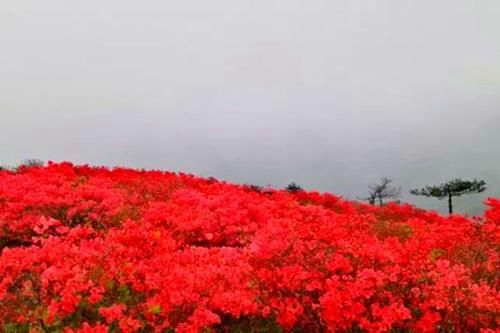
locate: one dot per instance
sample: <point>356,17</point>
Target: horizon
<point>458,200</point>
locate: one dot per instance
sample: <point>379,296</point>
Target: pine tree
<point>453,188</point>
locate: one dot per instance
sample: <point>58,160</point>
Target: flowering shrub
<point>88,249</point>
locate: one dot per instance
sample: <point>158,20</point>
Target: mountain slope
<point>87,249</point>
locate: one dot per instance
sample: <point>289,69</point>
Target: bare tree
<point>371,198</point>
<point>383,190</point>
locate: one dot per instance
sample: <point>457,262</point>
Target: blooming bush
<point>87,249</point>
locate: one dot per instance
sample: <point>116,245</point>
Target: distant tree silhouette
<point>253,188</point>
<point>211,180</point>
<point>371,198</point>
<point>32,162</point>
<point>293,187</point>
<point>383,190</point>
<point>453,188</point>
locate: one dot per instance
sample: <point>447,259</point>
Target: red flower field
<point>87,249</point>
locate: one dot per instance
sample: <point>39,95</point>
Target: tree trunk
<point>450,203</point>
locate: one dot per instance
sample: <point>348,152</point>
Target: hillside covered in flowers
<point>86,249</point>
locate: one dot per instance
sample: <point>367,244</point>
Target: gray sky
<point>330,94</point>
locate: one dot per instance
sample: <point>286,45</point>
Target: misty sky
<point>330,94</point>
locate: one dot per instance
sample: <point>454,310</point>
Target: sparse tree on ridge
<point>253,188</point>
<point>293,187</point>
<point>453,188</point>
<point>383,190</point>
<point>32,162</point>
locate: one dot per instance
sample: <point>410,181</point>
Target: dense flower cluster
<point>87,249</point>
